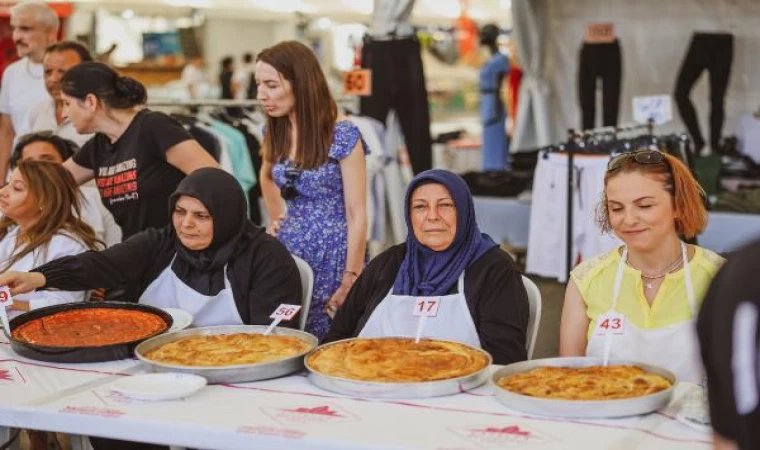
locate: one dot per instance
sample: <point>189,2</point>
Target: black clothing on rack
<point>398,83</point>
<point>713,52</point>
<point>600,61</point>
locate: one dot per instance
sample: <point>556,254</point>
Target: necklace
<point>650,278</point>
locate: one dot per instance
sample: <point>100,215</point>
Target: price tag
<point>426,306</point>
<point>357,82</point>
<point>5,296</point>
<point>600,33</point>
<point>655,107</point>
<point>283,312</point>
<point>612,322</point>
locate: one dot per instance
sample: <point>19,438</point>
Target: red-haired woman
<point>314,161</point>
<point>639,302</point>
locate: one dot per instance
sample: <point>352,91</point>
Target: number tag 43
<point>612,322</point>
<point>426,306</point>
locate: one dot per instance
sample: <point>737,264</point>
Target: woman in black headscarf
<point>211,261</point>
<point>480,294</point>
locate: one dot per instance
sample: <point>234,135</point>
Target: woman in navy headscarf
<point>479,292</point>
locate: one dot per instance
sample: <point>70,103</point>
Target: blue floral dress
<point>316,228</point>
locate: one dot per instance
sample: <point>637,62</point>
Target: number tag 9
<point>612,322</point>
<point>426,306</point>
<point>5,296</point>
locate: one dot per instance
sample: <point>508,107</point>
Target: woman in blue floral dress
<point>315,163</point>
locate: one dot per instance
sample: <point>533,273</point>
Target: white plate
<point>159,386</point>
<point>182,318</point>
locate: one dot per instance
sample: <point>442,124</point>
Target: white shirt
<point>192,78</point>
<point>748,133</point>
<point>243,78</point>
<point>60,245</point>
<point>96,215</point>
<point>42,118</point>
<point>392,16</point>
<point>22,89</point>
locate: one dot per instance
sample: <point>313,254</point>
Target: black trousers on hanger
<point>600,61</point>
<point>398,83</point>
<point>713,52</point>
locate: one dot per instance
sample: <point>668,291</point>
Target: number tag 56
<point>426,306</point>
<point>611,322</point>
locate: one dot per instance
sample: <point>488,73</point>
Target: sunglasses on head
<point>289,191</point>
<point>639,156</point>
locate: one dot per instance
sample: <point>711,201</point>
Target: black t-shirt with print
<point>132,174</point>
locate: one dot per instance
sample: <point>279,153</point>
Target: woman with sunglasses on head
<point>640,300</point>
<point>314,161</point>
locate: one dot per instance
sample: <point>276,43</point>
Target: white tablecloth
<point>292,413</point>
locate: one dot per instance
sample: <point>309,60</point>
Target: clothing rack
<point>575,141</point>
<point>226,102</point>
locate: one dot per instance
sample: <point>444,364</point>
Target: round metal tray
<point>581,408</point>
<point>229,374</point>
<point>85,354</point>
<point>377,389</point>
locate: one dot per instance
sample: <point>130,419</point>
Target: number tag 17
<point>612,322</point>
<point>426,306</point>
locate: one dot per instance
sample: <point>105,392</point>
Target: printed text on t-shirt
<point>118,183</point>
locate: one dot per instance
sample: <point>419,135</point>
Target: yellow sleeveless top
<point>595,279</point>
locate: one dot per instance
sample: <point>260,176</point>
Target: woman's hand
<point>274,226</point>
<point>337,299</point>
<point>22,282</point>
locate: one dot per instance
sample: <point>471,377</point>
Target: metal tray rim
<point>400,385</point>
<point>224,329</point>
<point>580,361</point>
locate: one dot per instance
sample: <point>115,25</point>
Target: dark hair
<point>227,61</point>
<point>80,49</point>
<point>678,181</point>
<point>489,34</point>
<point>65,147</point>
<point>248,58</point>
<point>315,108</point>
<point>114,90</point>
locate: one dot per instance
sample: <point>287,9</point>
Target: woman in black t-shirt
<point>137,156</point>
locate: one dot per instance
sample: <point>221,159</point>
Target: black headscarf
<point>220,193</point>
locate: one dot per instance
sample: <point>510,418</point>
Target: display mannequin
<point>493,114</point>
<point>600,57</point>
<point>713,52</point>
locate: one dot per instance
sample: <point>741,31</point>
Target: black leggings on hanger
<point>600,61</point>
<point>713,52</point>
<point>398,83</point>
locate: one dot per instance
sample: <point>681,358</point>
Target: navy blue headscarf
<point>427,272</point>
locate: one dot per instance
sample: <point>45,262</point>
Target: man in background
<point>193,77</point>
<point>35,27</point>
<point>47,115</point>
<point>244,77</point>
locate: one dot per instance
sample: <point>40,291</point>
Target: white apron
<point>674,347</point>
<point>168,291</point>
<point>393,317</point>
